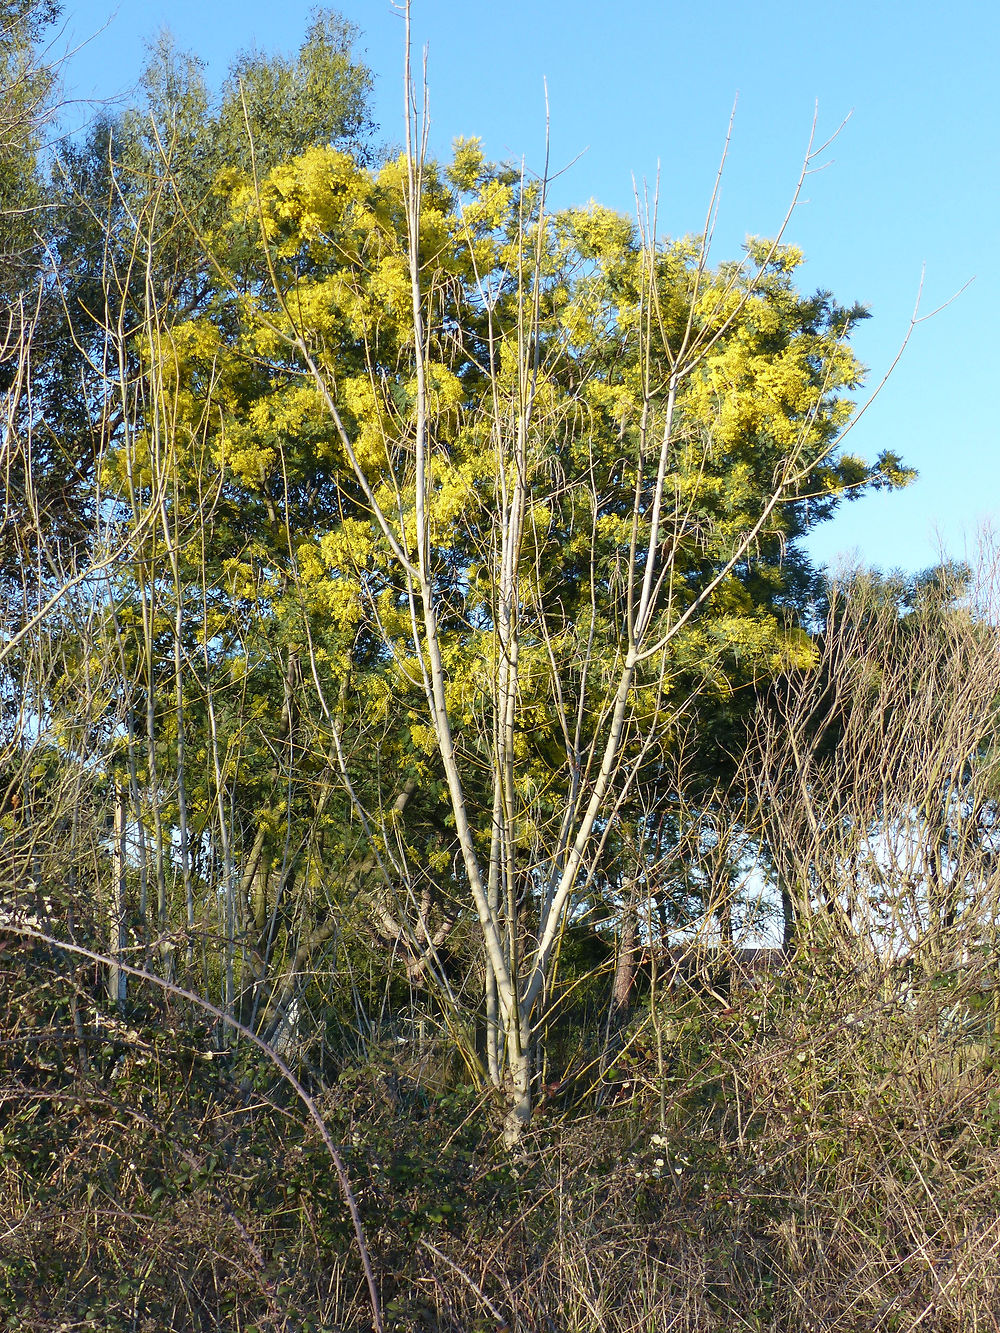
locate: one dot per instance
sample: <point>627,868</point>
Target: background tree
<point>896,856</point>
<point>125,260</point>
<point>28,84</point>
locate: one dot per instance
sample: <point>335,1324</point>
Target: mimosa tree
<point>508,490</point>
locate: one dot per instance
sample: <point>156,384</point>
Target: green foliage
<point>27,84</point>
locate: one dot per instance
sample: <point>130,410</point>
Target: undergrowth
<point>818,1151</point>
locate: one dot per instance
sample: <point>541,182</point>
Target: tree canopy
<point>448,489</point>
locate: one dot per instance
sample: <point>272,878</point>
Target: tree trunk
<point>788,932</point>
<point>628,939</point>
<point>116,977</point>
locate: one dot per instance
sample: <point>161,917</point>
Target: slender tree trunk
<point>788,922</point>
<point>116,977</point>
<point>519,1053</point>
<point>623,983</point>
<point>134,792</point>
<point>182,808</point>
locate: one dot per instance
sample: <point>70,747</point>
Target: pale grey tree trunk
<point>116,914</point>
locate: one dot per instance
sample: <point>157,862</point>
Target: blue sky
<point>646,87</point>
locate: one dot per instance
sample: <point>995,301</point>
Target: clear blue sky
<point>648,85</point>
